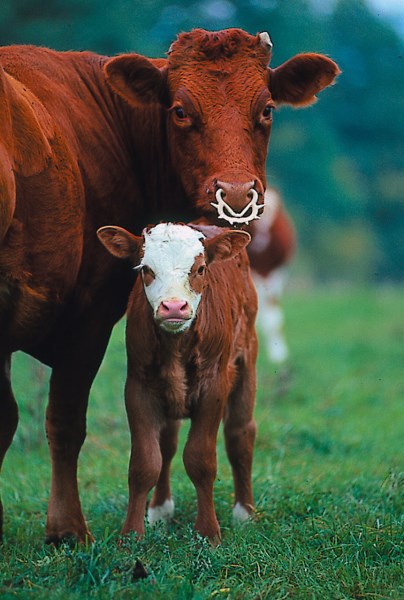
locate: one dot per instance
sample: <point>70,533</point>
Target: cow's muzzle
<point>231,195</point>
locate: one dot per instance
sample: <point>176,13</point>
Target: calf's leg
<point>8,416</point>
<point>239,432</point>
<point>145,460</point>
<point>161,506</point>
<point>201,465</point>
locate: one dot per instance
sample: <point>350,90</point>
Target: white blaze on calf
<point>170,251</point>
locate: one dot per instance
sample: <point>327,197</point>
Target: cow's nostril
<point>252,195</point>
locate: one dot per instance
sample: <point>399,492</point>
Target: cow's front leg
<point>66,431</point>
<point>201,465</point>
<point>145,460</point>
<point>74,369</point>
<point>8,417</point>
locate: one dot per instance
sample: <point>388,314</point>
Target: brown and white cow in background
<point>192,349</point>
<point>272,247</point>
<point>87,140</point>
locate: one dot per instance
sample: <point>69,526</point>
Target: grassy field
<point>328,476</point>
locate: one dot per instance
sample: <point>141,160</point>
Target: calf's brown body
<point>206,374</point>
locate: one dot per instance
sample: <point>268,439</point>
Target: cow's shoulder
<point>26,125</point>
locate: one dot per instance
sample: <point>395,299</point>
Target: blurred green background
<point>340,163</point>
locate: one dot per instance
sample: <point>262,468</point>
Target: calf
<point>192,348</point>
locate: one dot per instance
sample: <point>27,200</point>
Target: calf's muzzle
<point>174,309</point>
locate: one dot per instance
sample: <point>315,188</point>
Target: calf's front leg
<point>201,465</point>
<point>145,460</point>
<point>239,434</point>
<point>161,506</point>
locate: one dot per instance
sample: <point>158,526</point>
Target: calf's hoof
<point>241,513</point>
<point>164,512</point>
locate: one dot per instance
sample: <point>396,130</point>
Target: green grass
<point>328,476</point>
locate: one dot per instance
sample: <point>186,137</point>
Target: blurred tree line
<point>339,164</point>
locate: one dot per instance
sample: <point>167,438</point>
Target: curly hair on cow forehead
<point>200,44</point>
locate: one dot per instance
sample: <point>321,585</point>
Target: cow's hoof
<point>71,539</point>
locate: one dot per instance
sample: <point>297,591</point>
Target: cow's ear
<point>298,80</point>
<point>226,245</point>
<point>137,79</point>
<point>121,243</point>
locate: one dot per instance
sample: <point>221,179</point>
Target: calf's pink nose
<point>174,309</point>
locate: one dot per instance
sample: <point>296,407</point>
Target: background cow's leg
<point>270,314</point>
<point>70,383</point>
<point>162,505</point>
<point>239,432</point>
<point>201,465</point>
<point>145,459</point>
<point>8,416</point>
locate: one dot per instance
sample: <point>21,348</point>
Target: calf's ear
<point>298,80</point>
<point>121,243</point>
<point>226,245</point>
<point>137,79</point>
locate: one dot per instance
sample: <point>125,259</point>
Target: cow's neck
<point>145,137</point>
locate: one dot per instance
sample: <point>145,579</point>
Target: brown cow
<point>192,349</point>
<point>272,247</point>
<point>86,141</point>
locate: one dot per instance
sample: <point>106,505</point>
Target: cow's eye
<point>180,113</point>
<point>201,270</point>
<point>267,112</point>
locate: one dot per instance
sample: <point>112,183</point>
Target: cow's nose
<point>236,195</point>
<point>174,309</point>
<point>238,203</point>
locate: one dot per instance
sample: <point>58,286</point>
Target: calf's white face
<point>172,259</point>
<point>170,254</point>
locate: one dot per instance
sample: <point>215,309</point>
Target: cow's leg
<point>239,432</point>
<point>72,375</point>
<point>161,506</point>
<point>270,314</point>
<point>145,459</point>
<point>201,464</point>
<point>8,416</point>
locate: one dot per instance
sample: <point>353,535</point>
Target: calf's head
<point>219,94</point>
<point>173,259</point>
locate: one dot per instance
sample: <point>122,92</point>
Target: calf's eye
<point>147,275</point>
<point>201,270</point>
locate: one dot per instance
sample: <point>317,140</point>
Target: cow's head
<point>173,259</point>
<point>219,93</point>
